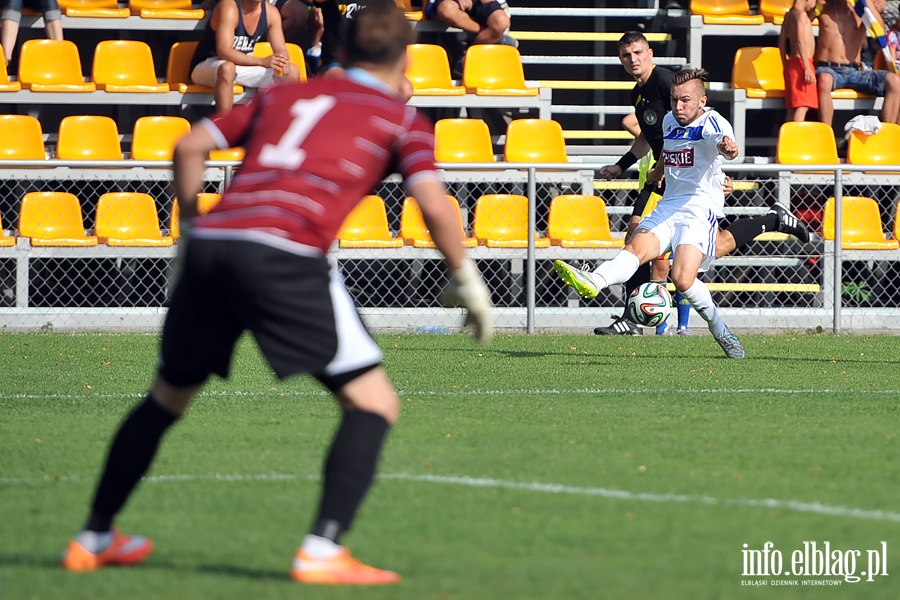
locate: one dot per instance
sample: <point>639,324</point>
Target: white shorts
<point>252,77</point>
<point>677,225</point>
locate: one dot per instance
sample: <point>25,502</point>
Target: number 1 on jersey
<point>287,153</point>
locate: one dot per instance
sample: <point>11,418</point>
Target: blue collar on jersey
<point>363,77</point>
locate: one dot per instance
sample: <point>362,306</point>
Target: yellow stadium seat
<point>154,138</point>
<point>166,9</point>
<point>295,53</point>
<point>535,140</point>
<point>860,223</point>
<point>125,66</point>
<point>178,70</point>
<point>205,203</point>
<point>414,231</point>
<point>52,66</point>
<point>725,12</point>
<point>897,221</point>
<point>495,70</point>
<point>773,11</point>
<point>99,9</point>
<point>809,142</point>
<point>758,69</point>
<point>428,69</point>
<point>366,226</point>
<point>578,221</point>
<point>236,153</point>
<point>882,148</point>
<point>21,138</point>
<point>462,140</point>
<point>53,219</point>
<point>501,221</point>
<point>88,137</point>
<point>5,84</point>
<point>129,219</point>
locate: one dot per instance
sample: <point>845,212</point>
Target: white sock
<point>700,298</point>
<point>94,541</point>
<point>319,547</point>
<point>618,270</point>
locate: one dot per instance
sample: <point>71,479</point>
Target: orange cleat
<point>124,550</point>
<point>342,569</point>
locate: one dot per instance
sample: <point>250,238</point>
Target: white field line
<point>546,488</point>
<point>475,392</point>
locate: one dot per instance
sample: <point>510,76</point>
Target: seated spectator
<point>842,36</point>
<point>224,55</point>
<point>12,14</point>
<point>486,20</point>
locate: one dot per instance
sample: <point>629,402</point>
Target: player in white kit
<point>686,219</point>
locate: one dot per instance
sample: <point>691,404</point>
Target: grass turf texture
<point>811,419</point>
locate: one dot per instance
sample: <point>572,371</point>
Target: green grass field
<point>543,467</point>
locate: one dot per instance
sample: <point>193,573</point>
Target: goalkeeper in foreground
<point>258,262</point>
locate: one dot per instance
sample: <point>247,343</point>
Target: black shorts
<point>644,196</point>
<point>296,307</point>
<point>479,12</point>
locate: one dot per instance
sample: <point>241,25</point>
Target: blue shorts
<point>866,82</point>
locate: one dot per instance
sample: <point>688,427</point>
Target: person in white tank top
<point>686,219</point>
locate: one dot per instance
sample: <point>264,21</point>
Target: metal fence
<point>774,284</point>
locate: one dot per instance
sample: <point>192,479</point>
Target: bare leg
<point>9,31</point>
<point>224,90</point>
<point>890,110</point>
<point>826,106</point>
<point>54,29</point>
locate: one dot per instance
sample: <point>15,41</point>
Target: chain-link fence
<point>774,283</point>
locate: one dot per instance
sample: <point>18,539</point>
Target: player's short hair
<point>377,35</point>
<point>631,37</point>
<point>685,75</point>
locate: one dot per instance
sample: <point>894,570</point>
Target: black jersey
<point>243,40</point>
<point>651,103</point>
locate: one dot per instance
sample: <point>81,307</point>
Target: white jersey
<point>694,175</point>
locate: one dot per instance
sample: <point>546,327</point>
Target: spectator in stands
<point>486,20</point>
<point>797,44</point>
<point>295,14</point>
<point>892,24</point>
<point>224,56</point>
<point>12,14</point>
<point>842,36</point>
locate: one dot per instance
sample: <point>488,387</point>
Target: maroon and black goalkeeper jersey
<point>313,150</point>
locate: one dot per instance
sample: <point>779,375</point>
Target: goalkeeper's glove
<point>177,264</point>
<point>468,289</point>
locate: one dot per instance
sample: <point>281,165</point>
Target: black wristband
<point>627,160</point>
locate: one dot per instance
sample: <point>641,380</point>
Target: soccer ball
<point>650,304</point>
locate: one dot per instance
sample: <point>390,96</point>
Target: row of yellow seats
<point>488,70</point>
<point>527,140</point>
<point>812,142</point>
<point>737,12</point>
<point>127,66</point>
<point>160,9</point>
<point>119,66</point>
<point>92,137</point>
<point>501,221</point>
<point>575,221</point>
<point>148,9</point>
<point>122,219</point>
